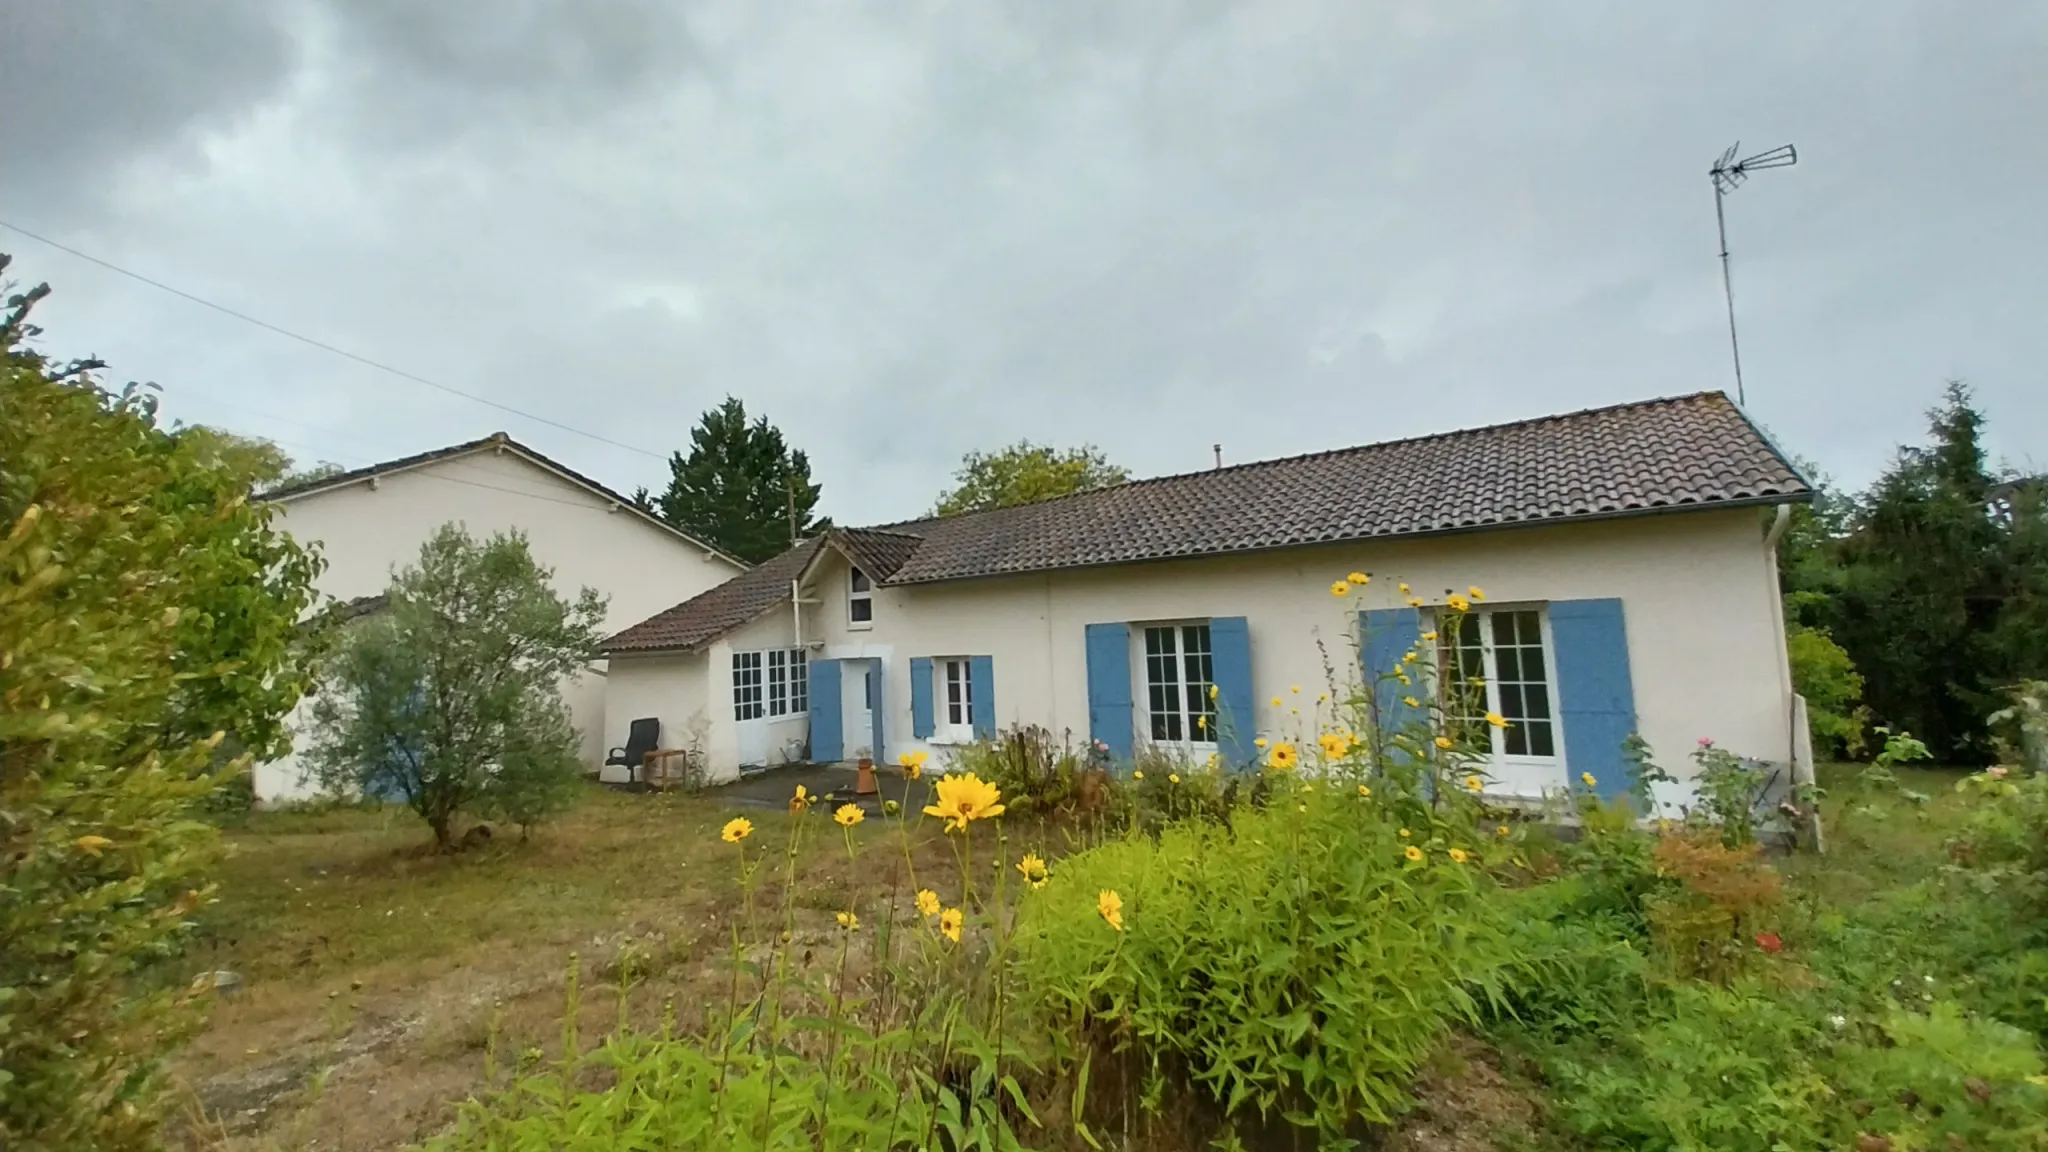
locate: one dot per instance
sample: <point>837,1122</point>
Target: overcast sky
<point>909,228</point>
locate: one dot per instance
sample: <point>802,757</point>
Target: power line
<point>322,345</point>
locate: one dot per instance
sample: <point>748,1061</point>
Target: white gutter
<point>1778,526</point>
<point>796,613</point>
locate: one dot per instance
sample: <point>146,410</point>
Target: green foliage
<point>1295,962</point>
<point>451,699</point>
<point>146,614</point>
<point>1024,473</point>
<point>2020,730</point>
<point>1729,789</point>
<point>1823,673</point>
<point>741,488</point>
<point>1935,585</point>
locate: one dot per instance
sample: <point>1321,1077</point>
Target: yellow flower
<point>1404,589</point>
<point>736,830</point>
<point>848,815</point>
<point>1173,777</point>
<point>1444,742</point>
<point>91,845</point>
<point>1261,742</point>
<point>913,763</point>
<point>1457,603</point>
<point>1431,636</point>
<point>1405,681</point>
<point>849,921</point>
<point>1335,744</point>
<point>1501,831</point>
<point>1138,775</point>
<point>1364,791</point>
<point>1111,906</point>
<point>1321,697</point>
<point>1276,701</point>
<point>1283,756</point>
<point>802,800</point>
<point>1413,854</point>
<point>1202,722</point>
<point>965,799</point>
<point>1359,578</point>
<point>1340,588</point>
<point>1404,833</point>
<point>927,902</point>
<point>1472,783</point>
<point>949,924</point>
<point>1411,701</point>
<point>1213,690</point>
<point>1475,593</point>
<point>1496,719</point>
<point>1033,869</point>
<point>1296,689</point>
<point>1457,855</point>
<point>1588,778</point>
<point>1408,657</point>
<point>1215,762</point>
<point>1415,601</point>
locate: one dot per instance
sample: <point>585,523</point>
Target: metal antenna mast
<point>1728,174</point>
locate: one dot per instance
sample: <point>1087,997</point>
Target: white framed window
<point>789,685</point>
<point>1500,660</point>
<point>1178,671</point>
<point>746,686</point>
<point>860,599</point>
<point>954,684</point>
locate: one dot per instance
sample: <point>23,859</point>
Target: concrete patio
<point>772,787</point>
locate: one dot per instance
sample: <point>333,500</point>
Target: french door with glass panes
<point>1499,660</point>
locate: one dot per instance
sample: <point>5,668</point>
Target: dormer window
<point>860,599</point>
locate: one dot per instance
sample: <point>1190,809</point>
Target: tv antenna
<point>1728,173</point>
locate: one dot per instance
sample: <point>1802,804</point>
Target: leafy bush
<point>1823,673</point>
<point>1705,917</point>
<point>1301,961</point>
<point>451,700</point>
<point>147,611</point>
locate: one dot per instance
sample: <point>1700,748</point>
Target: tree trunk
<point>440,822</point>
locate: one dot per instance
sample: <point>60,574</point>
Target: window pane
<point>1507,660</point>
<point>859,580</point>
<point>799,681</point>
<point>778,682</point>
<point>1511,701</point>
<point>1517,740</point>
<point>1536,701</point>
<point>1532,662</point>
<point>1541,739</point>
<point>861,610</point>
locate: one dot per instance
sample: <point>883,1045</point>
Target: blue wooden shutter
<point>828,732</point>
<point>1387,634</point>
<point>921,697</point>
<point>981,695</point>
<point>1230,655</point>
<point>1109,687</point>
<point>1596,699</point>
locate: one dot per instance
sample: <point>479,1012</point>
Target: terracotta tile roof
<point>709,615</point>
<point>1676,454</point>
<point>1657,455</point>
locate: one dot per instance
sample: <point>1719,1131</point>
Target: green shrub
<point>1823,673</point>
<point>147,614</point>
<point>1295,962</point>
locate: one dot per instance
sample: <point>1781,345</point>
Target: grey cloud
<point>904,230</point>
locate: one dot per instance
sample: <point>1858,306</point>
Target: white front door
<point>749,709</point>
<point>1500,661</point>
<point>858,708</point>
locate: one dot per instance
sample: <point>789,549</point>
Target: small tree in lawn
<point>450,700</point>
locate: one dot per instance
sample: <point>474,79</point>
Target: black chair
<point>643,737</point>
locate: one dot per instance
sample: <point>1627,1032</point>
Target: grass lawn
<point>380,977</point>
<point>377,971</point>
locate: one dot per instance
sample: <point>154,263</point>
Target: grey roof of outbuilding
<point>1666,455</point>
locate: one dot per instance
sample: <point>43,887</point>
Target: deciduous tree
<point>1024,473</point>
<point>450,699</point>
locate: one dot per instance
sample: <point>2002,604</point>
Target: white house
<point>1626,556</point>
<point>372,521</point>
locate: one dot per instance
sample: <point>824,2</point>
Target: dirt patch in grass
<point>380,981</point>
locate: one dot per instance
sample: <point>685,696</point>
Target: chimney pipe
<point>1218,448</point>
